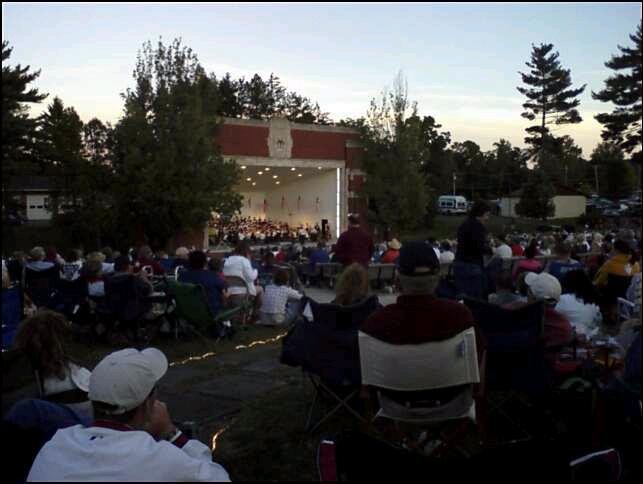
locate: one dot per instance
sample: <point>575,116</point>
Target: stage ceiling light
<point>276,183</point>
<point>254,184</point>
<point>299,174</point>
<point>293,169</point>
<point>319,167</point>
<point>266,169</point>
<point>275,176</point>
<point>243,167</point>
<point>260,173</point>
<point>248,179</point>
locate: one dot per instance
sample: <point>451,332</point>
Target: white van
<point>452,205</point>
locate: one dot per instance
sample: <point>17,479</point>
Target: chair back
<point>167,264</point>
<point>430,368</point>
<point>407,367</point>
<point>191,303</point>
<point>373,272</point>
<point>328,346</point>
<point>122,299</point>
<point>41,285</point>
<point>617,286</point>
<point>514,344</point>
<point>12,310</point>
<point>72,293</point>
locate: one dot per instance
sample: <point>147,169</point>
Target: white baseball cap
<point>125,378</point>
<point>543,286</point>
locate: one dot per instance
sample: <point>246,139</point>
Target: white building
<point>568,203</point>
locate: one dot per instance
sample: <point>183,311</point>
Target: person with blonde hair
<point>352,285</point>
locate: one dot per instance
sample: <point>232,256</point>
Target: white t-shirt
<point>275,298</point>
<point>447,257</point>
<point>78,454</point>
<point>239,266</point>
<point>585,318</point>
<point>504,251</point>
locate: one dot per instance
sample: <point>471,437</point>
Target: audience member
<point>505,293</point>
<point>446,252</point>
<point>418,316</point>
<point>563,263</point>
<point>133,437</point>
<point>354,245</point>
<point>579,304</point>
<point>352,285</point>
<point>45,339</point>
<point>469,258</point>
<point>37,260</point>
<point>93,274</point>
<point>529,264</point>
<point>145,258</point>
<point>196,273</point>
<point>277,307</point>
<point>71,269</point>
<point>558,331</point>
<point>619,264</point>
<point>503,250</point>
<point>517,249</point>
<point>392,253</point>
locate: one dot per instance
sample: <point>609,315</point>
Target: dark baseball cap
<point>418,259</point>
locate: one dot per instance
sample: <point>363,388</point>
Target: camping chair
<point>515,354</point>
<point>193,308</point>
<point>41,286</point>
<point>425,385</point>
<point>72,295</point>
<point>12,312</point>
<point>243,301</point>
<point>328,353</point>
<point>123,306</point>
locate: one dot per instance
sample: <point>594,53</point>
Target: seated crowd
<point>122,431</point>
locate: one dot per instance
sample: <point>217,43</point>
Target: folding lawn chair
<point>327,351</point>
<point>425,385</point>
<point>193,308</point>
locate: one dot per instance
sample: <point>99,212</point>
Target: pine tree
<point>550,99</point>
<point>536,198</point>
<point>623,125</point>
<point>18,129</point>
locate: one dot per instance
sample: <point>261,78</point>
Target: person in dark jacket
<point>197,273</point>
<point>354,245</point>
<point>468,267</point>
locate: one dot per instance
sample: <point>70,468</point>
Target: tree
<point>563,161</point>
<point>623,125</point>
<point>549,96</point>
<point>18,129</point>
<point>60,145</point>
<point>393,152</point>
<point>536,198</point>
<point>507,167</point>
<point>437,163</point>
<point>616,176</point>
<point>169,176</point>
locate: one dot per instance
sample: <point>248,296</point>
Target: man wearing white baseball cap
<point>558,331</point>
<point>133,438</point>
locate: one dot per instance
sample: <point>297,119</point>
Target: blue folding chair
<point>12,311</point>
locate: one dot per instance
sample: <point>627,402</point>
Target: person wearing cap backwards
<point>418,316</point>
<point>354,245</point>
<point>132,438</point>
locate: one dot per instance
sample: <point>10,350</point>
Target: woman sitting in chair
<point>44,339</point>
<point>197,273</point>
<point>620,264</point>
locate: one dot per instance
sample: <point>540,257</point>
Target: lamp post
<point>454,178</point>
